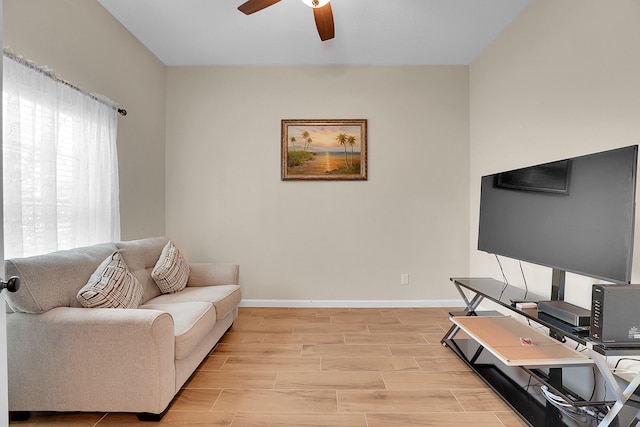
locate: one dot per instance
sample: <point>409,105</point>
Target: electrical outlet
<point>404,279</point>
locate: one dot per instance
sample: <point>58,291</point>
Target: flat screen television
<point>575,215</point>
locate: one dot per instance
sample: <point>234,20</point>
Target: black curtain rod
<point>49,73</point>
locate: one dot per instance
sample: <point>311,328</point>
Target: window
<point>60,164</point>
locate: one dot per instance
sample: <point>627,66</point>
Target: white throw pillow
<point>111,286</point>
<point>171,271</point>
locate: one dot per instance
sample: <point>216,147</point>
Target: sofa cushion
<point>208,274</point>
<point>53,280</point>
<point>141,256</point>
<point>111,286</point>
<point>224,297</point>
<point>171,272</point>
<point>192,321</point>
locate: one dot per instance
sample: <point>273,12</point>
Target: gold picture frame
<point>324,150</point>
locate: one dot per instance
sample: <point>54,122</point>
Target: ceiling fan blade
<point>253,6</point>
<point>324,22</point>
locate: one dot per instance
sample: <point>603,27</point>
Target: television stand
<point>495,353</point>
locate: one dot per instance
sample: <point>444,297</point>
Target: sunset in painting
<point>324,149</point>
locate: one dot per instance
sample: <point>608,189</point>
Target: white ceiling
<point>368,32</point>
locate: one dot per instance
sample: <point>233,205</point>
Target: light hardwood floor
<point>326,367</point>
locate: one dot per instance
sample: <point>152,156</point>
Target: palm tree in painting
<point>342,139</point>
<point>305,136</point>
<point>309,141</point>
<point>293,142</point>
<point>351,140</point>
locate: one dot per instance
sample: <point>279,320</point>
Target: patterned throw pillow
<point>171,271</point>
<point>111,286</point>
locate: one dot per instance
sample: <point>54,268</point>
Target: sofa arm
<point>207,274</point>
<point>91,359</point>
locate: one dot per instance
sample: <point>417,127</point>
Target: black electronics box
<point>615,315</point>
<point>568,313</point>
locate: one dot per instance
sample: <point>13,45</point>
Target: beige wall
<point>224,198</point>
<point>561,81</point>
<point>311,241</point>
<point>86,46</point>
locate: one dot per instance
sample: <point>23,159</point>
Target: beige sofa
<point>64,357</point>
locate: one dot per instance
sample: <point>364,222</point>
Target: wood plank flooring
<point>326,367</point>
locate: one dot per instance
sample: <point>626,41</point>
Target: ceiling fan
<point>321,12</point>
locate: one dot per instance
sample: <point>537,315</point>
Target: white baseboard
<point>351,303</point>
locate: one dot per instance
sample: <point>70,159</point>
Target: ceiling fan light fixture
<point>315,3</point>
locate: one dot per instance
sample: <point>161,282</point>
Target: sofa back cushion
<point>141,257</point>
<point>53,280</point>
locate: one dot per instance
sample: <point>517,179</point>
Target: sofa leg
<point>19,415</point>
<point>147,416</point>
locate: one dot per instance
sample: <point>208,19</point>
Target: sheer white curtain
<point>60,164</point>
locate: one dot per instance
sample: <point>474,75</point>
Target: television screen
<point>575,215</point>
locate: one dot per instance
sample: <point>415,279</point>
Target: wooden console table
<point>541,356</point>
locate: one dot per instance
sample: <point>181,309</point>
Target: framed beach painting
<point>324,150</point>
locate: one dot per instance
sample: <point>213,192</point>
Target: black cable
<point>624,358</point>
<point>528,383</point>
<point>616,367</point>
<point>526,287</point>
<point>506,282</point>
<point>593,392</point>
